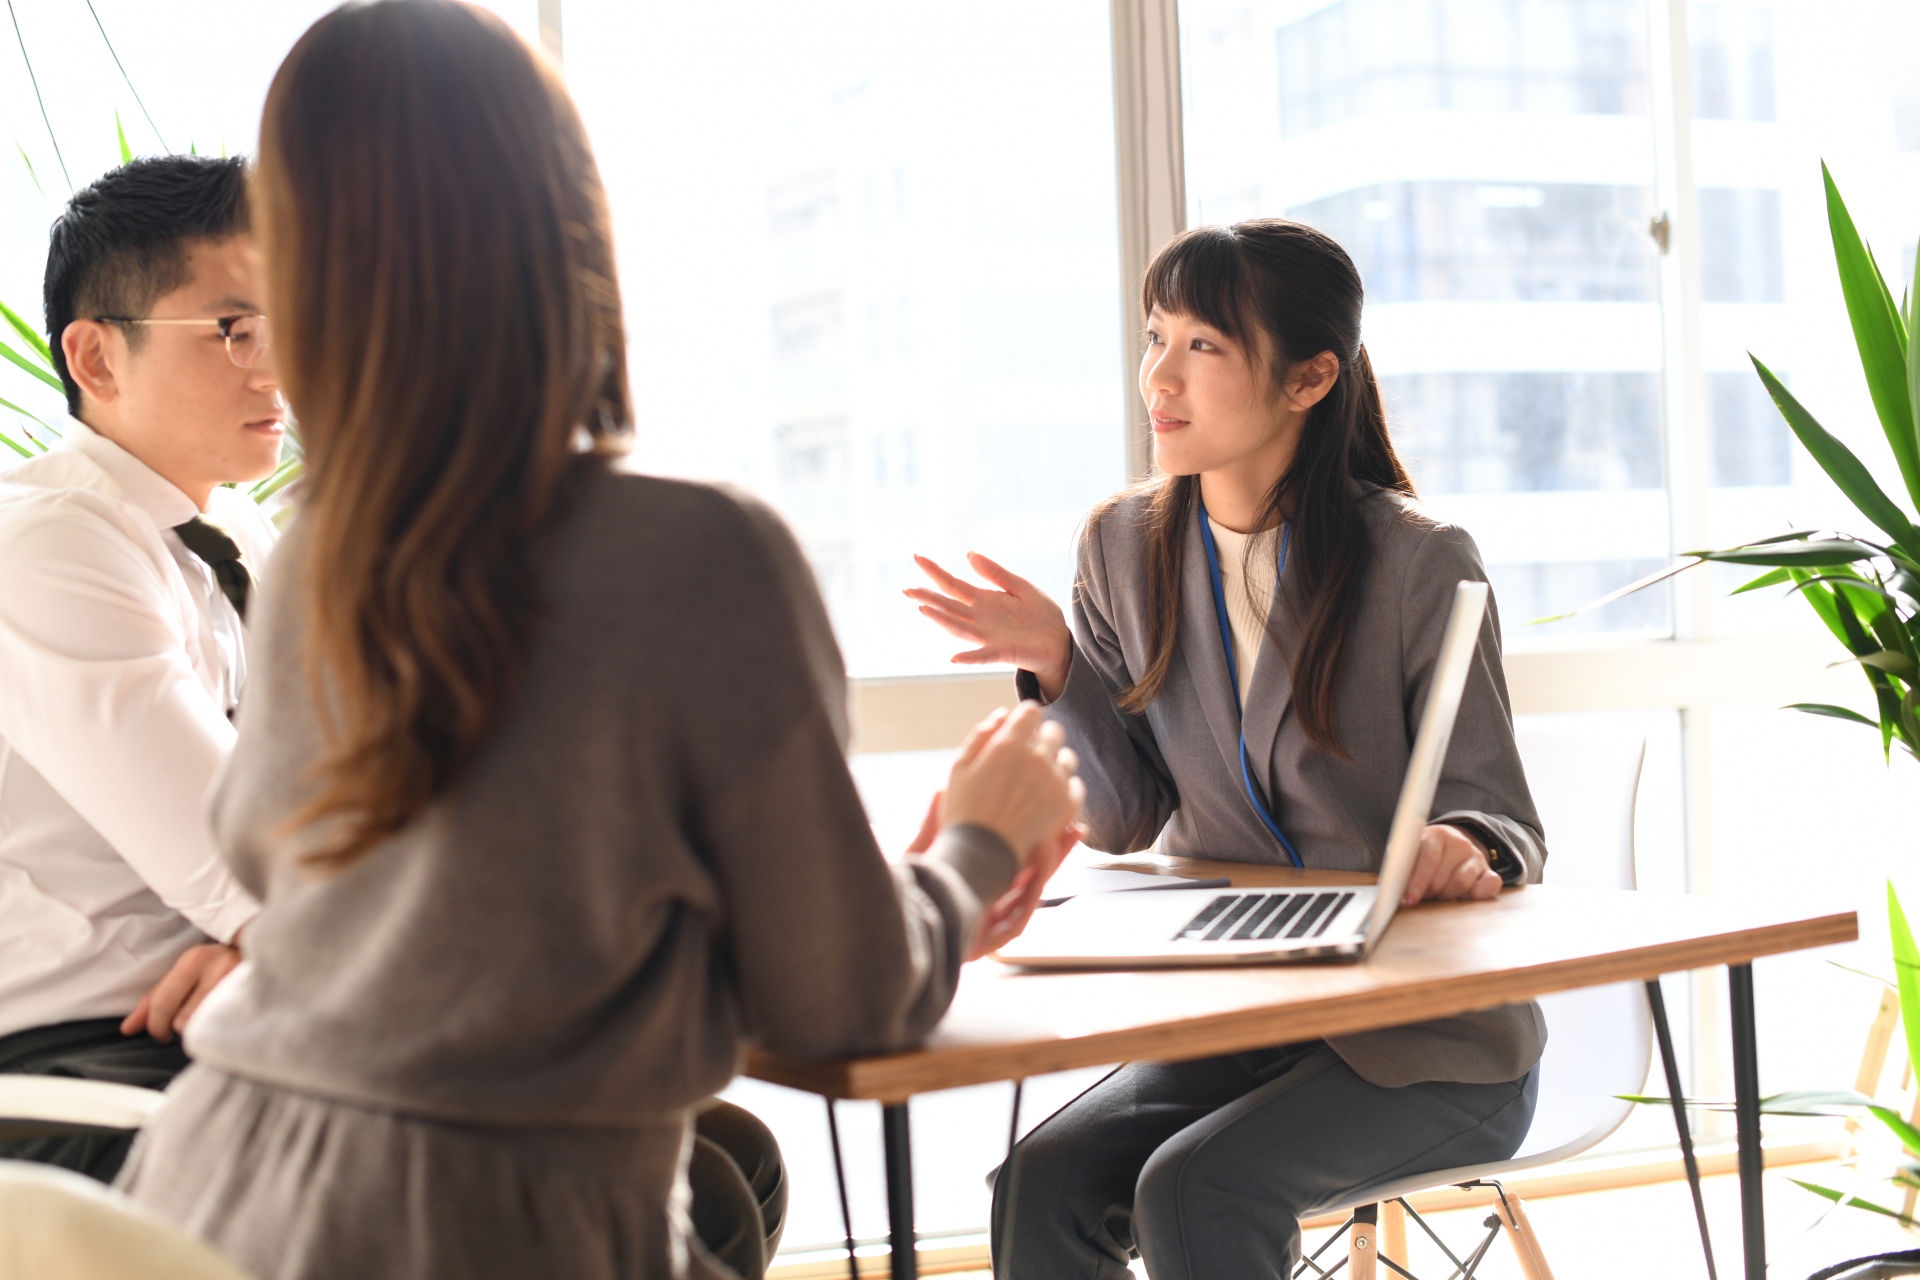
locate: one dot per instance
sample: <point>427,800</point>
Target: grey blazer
<point>1171,778</point>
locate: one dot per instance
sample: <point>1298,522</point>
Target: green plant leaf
<point>1828,551</point>
<point>283,475</point>
<point>1794,1102</point>
<point>16,446</point>
<point>31,416</point>
<point>1861,592</point>
<point>1771,578</point>
<point>1841,465</point>
<point>1906,966</point>
<point>33,367</point>
<point>1885,982</point>
<point>1847,1198</point>
<point>1908,1135</point>
<point>1878,332</point>
<point>1858,642</point>
<point>1913,346</point>
<point>126,152</point>
<point>1659,575</point>
<point>1828,709</point>
<point>1797,535</point>
<point>1821,600</point>
<point>28,334</point>
<point>1894,664</point>
<point>30,173</point>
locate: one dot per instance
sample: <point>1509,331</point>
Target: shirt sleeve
<point>1483,786</point>
<point>101,698</point>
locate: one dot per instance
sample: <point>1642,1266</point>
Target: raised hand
<point>1016,623</point>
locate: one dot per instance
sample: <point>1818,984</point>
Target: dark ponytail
<point>1299,287</point>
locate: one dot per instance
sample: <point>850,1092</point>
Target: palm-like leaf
<point>1845,1198</point>
<point>1868,595</point>
<point>1881,335</point>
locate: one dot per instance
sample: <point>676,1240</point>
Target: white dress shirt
<point>120,659</point>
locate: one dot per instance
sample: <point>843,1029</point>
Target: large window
<point>871,271</point>
<point>1512,286</point>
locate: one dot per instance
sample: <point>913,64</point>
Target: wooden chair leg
<point>1526,1245</point>
<point>1393,1232</point>
<point>1363,1243</point>
<point>1873,1058</point>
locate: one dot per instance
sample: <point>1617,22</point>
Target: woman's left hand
<point>1452,867</point>
<point>1006,916</point>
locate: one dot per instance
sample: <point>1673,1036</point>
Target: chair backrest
<point>1585,781</point>
<point>56,1225</point>
<point>40,1106</point>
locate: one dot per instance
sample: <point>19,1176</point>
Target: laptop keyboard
<point>1241,917</point>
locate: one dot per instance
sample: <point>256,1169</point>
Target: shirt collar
<point>144,487</point>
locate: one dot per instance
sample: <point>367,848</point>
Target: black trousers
<point>738,1179</point>
<point>92,1049</point>
<point>1205,1168</point>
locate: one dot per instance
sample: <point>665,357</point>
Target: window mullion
<point>1150,165</point>
<point>1683,375</point>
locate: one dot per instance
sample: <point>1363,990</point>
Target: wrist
<point>1053,680</point>
<point>1500,860</point>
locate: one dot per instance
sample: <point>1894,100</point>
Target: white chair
<point>57,1106</point>
<point>57,1225</point>
<point>1599,1040</point>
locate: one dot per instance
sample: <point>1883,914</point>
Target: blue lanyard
<point>1233,667</point>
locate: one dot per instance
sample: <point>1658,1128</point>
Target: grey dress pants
<point>1205,1168</point>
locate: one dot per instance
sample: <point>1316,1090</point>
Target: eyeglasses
<point>248,337</point>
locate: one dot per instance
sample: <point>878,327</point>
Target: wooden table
<point>1436,960</point>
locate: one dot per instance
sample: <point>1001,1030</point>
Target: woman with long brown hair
<point>1254,634</point>
<point>541,772</point>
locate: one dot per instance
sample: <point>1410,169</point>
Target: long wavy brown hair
<point>440,268</point>
<point>1298,287</point>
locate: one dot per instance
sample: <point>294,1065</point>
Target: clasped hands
<point>1014,778</point>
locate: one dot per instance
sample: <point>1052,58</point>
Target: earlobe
<point>84,343</point>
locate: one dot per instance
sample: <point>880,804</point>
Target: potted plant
<point>1866,589</point>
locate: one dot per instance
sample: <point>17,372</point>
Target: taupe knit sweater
<point>659,858</point>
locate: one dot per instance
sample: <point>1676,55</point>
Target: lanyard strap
<point>1233,666</point>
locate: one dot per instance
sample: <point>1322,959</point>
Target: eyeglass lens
<point>248,338</point>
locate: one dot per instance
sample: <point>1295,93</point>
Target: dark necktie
<point>222,555</point>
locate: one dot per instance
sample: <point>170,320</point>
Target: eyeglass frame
<point>225,323</point>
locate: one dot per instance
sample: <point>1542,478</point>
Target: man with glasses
<point>126,562</point>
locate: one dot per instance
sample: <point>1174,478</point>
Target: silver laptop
<point>1268,926</point>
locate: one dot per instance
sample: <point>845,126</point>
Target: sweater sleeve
<point>1130,790</point>
<point>1483,787</point>
<point>834,951</point>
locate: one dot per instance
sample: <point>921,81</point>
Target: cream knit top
<point>1249,586</point>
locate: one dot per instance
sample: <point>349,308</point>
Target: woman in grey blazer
<point>1254,635</point>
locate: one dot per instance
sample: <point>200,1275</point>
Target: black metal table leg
<point>896,1136</point>
<point>1746,1113</point>
<point>1664,1034</point>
